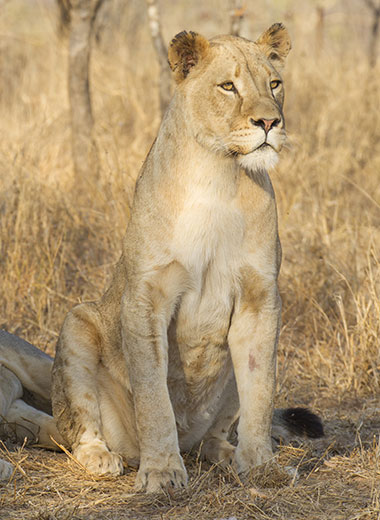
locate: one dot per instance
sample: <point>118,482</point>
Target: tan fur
<point>184,340</point>
<point>25,365</point>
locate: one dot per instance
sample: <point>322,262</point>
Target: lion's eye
<point>274,84</point>
<point>229,86</point>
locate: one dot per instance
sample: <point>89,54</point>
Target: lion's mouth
<point>261,148</point>
<point>264,146</point>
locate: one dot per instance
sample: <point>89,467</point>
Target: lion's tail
<point>288,422</point>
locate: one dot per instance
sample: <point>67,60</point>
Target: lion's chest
<point>209,244</point>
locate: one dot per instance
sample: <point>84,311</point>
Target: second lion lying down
<point>183,343</point>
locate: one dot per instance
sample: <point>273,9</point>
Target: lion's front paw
<point>250,457</point>
<point>154,476</point>
<point>96,458</point>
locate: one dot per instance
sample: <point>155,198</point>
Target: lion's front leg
<point>253,342</point>
<point>146,314</point>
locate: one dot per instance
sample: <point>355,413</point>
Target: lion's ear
<point>185,51</point>
<point>275,44</point>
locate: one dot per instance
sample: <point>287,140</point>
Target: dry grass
<point>57,247</point>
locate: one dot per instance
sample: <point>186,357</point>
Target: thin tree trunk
<point>236,17</point>
<point>84,151</point>
<point>64,16</point>
<point>372,50</point>
<point>162,54</point>
<point>320,29</point>
<point>374,37</point>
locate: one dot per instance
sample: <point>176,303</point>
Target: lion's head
<point>232,92</point>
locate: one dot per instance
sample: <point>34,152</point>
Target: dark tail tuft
<point>301,421</point>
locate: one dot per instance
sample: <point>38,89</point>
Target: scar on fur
<point>252,362</point>
<point>237,71</point>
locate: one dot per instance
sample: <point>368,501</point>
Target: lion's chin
<point>263,158</point>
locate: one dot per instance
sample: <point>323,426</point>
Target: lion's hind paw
<point>96,458</point>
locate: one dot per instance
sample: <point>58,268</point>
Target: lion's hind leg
<point>31,366</point>
<point>75,395</point>
<point>24,421</point>
<point>216,447</point>
<point>10,390</point>
<point>19,421</point>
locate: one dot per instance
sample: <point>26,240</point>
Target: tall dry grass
<point>58,244</point>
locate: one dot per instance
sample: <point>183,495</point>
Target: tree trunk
<point>236,17</point>
<point>372,51</point>
<point>82,14</point>
<point>320,29</point>
<point>162,54</point>
<point>374,37</point>
<point>64,17</point>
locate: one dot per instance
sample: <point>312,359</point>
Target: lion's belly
<point>199,359</point>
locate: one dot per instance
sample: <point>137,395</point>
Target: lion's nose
<point>266,124</point>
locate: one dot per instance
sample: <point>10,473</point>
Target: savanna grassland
<point>59,239</point>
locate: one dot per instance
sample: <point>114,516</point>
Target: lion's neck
<point>179,157</point>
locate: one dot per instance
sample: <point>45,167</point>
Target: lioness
<point>184,340</point>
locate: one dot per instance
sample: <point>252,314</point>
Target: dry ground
<point>58,245</point>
